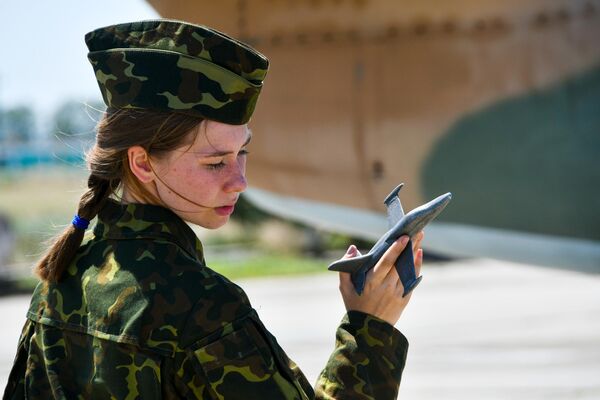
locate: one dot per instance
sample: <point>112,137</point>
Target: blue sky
<point>43,61</point>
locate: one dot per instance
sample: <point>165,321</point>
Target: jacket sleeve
<point>244,361</point>
<point>367,362</point>
<point>15,386</point>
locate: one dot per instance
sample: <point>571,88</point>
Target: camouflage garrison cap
<point>171,65</point>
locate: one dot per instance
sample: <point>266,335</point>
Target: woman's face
<point>202,182</point>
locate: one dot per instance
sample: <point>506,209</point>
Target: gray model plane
<point>400,224</point>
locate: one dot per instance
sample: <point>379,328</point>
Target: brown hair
<point>118,130</point>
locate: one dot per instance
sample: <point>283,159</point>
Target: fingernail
<point>404,240</point>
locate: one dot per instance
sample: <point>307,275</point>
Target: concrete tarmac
<point>478,329</point>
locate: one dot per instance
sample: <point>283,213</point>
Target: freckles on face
<point>193,176</point>
<point>203,181</point>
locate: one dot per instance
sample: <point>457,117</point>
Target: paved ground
<point>479,329</point>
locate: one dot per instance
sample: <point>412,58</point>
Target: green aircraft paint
<point>515,163</point>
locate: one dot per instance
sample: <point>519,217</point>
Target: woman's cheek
<point>201,178</point>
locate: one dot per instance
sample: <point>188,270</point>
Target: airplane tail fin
<point>393,195</point>
<point>394,206</point>
<point>349,264</point>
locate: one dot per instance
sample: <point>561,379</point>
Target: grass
<point>270,264</point>
<point>40,194</point>
<point>38,204</point>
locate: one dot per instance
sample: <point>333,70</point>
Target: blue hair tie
<point>80,223</point>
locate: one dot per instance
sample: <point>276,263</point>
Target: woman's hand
<point>382,295</point>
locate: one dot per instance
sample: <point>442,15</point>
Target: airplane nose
<point>440,202</point>
<point>445,198</point>
<point>422,215</point>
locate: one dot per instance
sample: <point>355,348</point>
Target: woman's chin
<point>213,223</point>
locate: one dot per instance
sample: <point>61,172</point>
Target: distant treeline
<point>26,140</point>
<point>18,156</point>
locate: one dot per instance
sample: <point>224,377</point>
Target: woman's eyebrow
<point>224,153</point>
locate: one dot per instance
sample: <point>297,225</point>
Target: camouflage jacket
<point>139,315</point>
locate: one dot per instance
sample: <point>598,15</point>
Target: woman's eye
<point>222,163</point>
<point>218,165</point>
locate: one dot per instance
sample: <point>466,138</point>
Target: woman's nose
<point>237,181</point>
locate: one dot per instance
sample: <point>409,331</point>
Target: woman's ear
<point>139,164</point>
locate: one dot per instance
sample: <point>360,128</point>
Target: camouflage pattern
<point>170,65</point>
<point>138,315</point>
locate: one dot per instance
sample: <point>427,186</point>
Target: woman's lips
<point>225,210</point>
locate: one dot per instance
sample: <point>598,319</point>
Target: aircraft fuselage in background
<point>498,102</point>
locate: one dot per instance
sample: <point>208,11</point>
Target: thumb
<point>351,252</point>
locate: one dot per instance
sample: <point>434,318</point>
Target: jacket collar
<point>146,221</point>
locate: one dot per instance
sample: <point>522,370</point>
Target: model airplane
<point>400,224</point>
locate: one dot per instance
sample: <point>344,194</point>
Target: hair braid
<point>62,251</point>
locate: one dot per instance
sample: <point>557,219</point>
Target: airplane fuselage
<point>409,224</point>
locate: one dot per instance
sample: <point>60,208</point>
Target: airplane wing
<point>349,264</point>
<point>405,266</point>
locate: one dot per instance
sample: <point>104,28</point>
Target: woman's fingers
<point>385,270</point>
<point>418,262</point>
<point>345,280</point>
<point>418,252</point>
<point>389,258</point>
<point>345,277</point>
<point>382,295</point>
<point>416,245</point>
<point>351,252</point>
<point>392,275</point>
<point>416,241</point>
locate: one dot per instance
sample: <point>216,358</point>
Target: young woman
<point>132,310</point>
